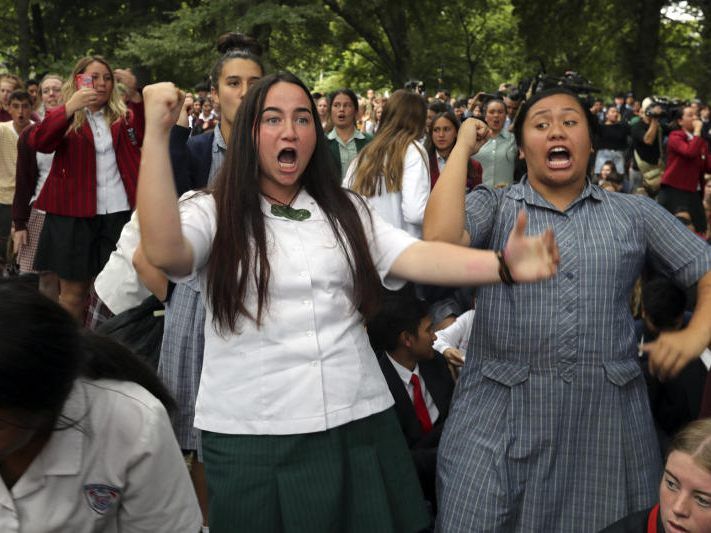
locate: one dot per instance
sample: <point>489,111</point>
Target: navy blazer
<point>191,158</point>
<point>440,385</point>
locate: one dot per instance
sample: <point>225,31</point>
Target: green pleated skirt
<point>355,478</point>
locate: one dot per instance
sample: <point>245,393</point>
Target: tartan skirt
<point>26,254</point>
<point>354,478</point>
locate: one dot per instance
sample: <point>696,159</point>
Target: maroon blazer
<point>687,160</point>
<point>70,189</point>
<point>26,176</point>
<point>474,172</point>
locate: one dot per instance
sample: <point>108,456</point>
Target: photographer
<point>647,135</point>
<point>687,161</point>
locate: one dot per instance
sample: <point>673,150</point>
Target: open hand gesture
<point>530,258</point>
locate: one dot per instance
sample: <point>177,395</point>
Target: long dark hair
<point>240,239</point>
<point>43,352</point>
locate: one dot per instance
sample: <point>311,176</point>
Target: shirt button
<point>309,333</point>
<point>303,273</point>
<point>306,302</point>
<point>569,275</point>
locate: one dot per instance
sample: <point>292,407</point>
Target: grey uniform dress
<point>184,338</point>
<point>550,428</point>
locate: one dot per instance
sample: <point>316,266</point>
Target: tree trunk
<point>641,56</point>
<point>24,37</point>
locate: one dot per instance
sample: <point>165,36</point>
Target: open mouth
<point>558,157</point>
<point>287,159</point>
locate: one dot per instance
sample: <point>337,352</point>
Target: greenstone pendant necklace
<point>280,209</point>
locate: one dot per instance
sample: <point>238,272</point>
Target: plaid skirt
<point>350,479</point>
<point>26,254</point>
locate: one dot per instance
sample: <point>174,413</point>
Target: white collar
<point>404,373</point>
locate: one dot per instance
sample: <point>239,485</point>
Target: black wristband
<point>504,272</point>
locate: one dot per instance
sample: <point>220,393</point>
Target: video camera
<point>415,86</point>
<point>571,80</point>
<point>669,108</point>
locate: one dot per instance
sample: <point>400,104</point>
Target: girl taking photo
<point>91,187</point>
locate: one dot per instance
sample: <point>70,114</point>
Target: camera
<point>415,86</point>
<point>668,107</point>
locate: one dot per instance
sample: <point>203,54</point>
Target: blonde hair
<point>115,107</point>
<point>402,122</point>
<point>50,77</point>
<point>695,440</point>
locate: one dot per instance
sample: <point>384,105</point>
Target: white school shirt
<point>310,366</point>
<point>110,192</point>
<point>118,469</point>
<point>456,335</point>
<point>404,209</point>
<point>118,285</point>
<point>406,377</point>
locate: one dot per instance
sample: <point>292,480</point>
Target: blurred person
<point>684,491</point>
<point>418,378</point>
<point>434,108</point>
<point>647,145</point>
<point>206,120</point>
<point>687,161</point>
<point>32,170</point>
<point>552,393</point>
<point>94,451</point>
<point>344,140</point>
<point>20,107</point>
<point>609,178</point>
<point>440,141</point>
<point>611,141</point>
<point>460,109</point>
<point>322,108</point>
<point>597,110</point>
<point>498,155</point>
<point>91,186</point>
<point>392,171</point>
<point>8,84</point>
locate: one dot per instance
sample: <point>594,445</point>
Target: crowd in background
<point>71,153</point>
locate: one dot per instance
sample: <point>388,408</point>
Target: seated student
<point>85,445</point>
<point>685,490</point>
<point>419,380</point>
<point>674,402</point>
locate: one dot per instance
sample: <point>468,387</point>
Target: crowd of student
<point>254,228</point>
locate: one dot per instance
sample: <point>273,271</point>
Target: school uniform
<point>90,190</point>
<point>437,386</point>
<point>296,414</point>
<point>111,465</point>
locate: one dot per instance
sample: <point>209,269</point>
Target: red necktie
<point>420,408</point>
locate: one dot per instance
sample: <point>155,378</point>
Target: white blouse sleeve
<point>415,184</point>
<point>198,217</point>
<point>385,242</point>
<point>456,335</point>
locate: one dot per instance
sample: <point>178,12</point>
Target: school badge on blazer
<point>101,498</point>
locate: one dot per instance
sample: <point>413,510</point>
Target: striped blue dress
<point>550,428</point>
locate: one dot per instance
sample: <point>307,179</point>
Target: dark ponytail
<point>43,352</point>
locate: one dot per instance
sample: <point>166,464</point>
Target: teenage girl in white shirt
<point>297,423</point>
<point>392,172</point>
<point>85,446</point>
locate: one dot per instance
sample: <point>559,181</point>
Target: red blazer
<point>70,189</point>
<point>687,160</point>
<point>474,172</point>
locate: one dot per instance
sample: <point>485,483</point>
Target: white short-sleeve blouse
<point>309,367</point>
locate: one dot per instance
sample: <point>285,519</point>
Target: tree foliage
<point>460,45</point>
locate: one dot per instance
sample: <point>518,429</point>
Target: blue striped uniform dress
<point>183,344</point>
<point>550,428</point>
